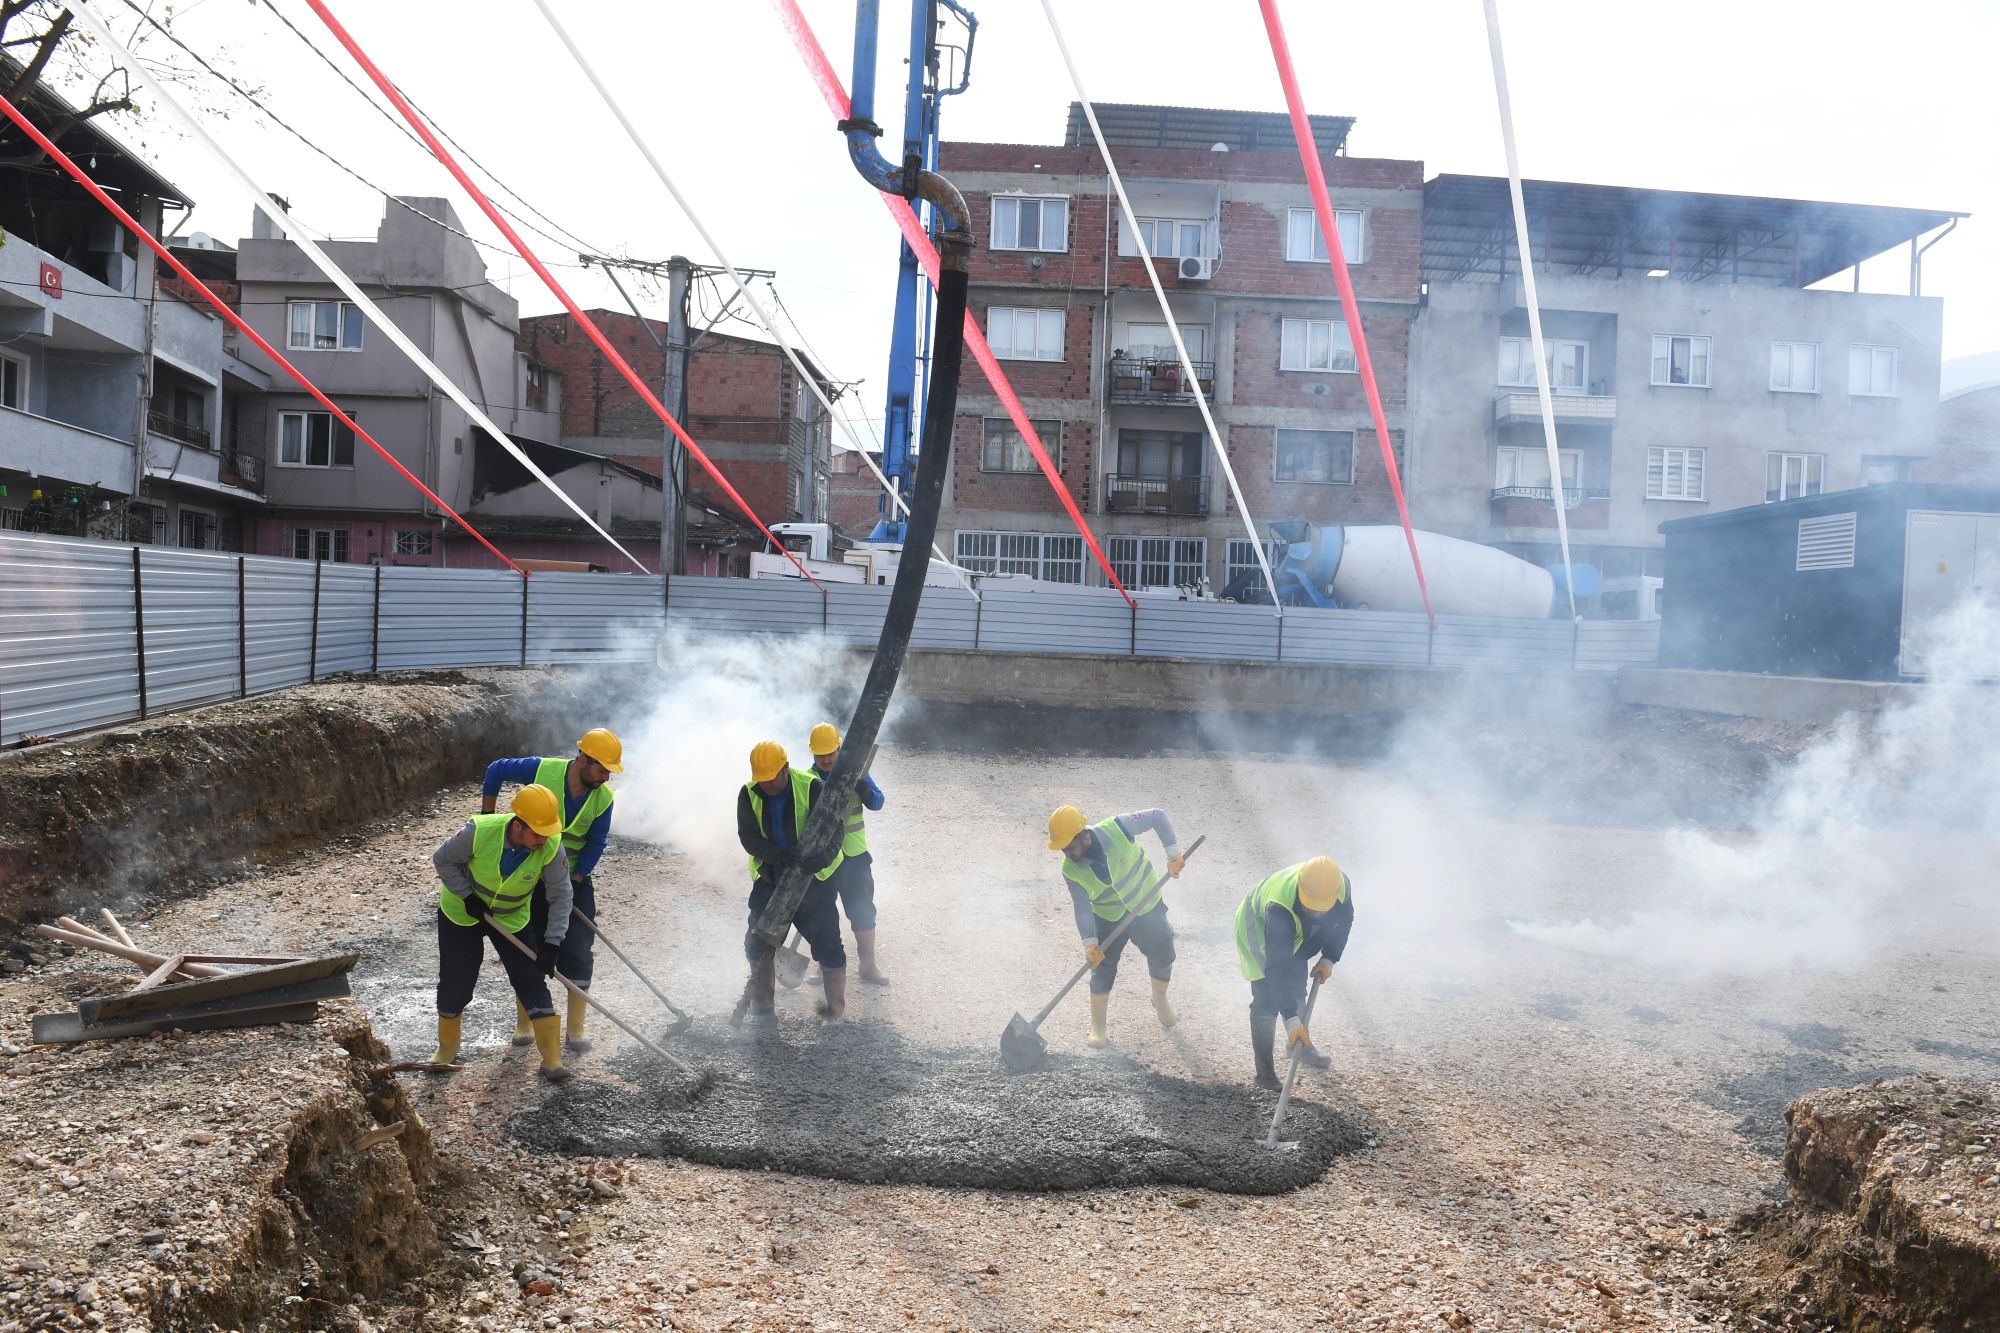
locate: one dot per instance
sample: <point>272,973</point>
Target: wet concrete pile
<point>856,1102</point>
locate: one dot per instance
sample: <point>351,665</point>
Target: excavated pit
<point>856,1102</point>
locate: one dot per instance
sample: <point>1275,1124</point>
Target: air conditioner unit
<point>1197,268</point>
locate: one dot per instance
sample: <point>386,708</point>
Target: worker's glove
<point>1296,1034</point>
<point>784,858</point>
<point>1322,971</point>
<point>1175,863</point>
<point>475,907</point>
<point>812,865</point>
<point>1092,954</point>
<point>546,954</point>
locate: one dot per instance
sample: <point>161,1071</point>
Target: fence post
<point>1281,636</point>
<point>375,633</point>
<point>242,629</point>
<point>524,619</point>
<point>139,629</point>
<point>312,639</point>
<point>1575,642</point>
<point>978,618</point>
<point>1430,641</point>
<point>1134,647</point>
<point>824,598</point>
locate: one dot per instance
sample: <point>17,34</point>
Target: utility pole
<point>673,550</point>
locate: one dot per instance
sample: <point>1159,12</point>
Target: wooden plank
<point>61,1029</point>
<point>109,1008</point>
<point>320,988</point>
<point>158,976</point>
<point>91,939</point>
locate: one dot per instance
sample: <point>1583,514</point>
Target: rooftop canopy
<point>1612,231</point>
<point>1126,125</point>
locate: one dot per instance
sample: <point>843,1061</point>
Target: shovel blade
<point>791,968</point>
<point>1021,1047</point>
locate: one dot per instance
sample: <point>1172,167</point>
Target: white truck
<point>832,559</point>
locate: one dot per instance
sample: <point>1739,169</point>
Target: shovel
<point>1271,1139</point>
<point>1022,1045</point>
<point>791,963</point>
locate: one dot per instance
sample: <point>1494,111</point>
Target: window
<point>1871,371</point>
<point>1025,335</point>
<point>1241,559</point>
<point>413,541</point>
<point>314,439</point>
<point>320,544</point>
<point>1676,474</point>
<point>1304,242</point>
<point>536,398</point>
<point>1789,476</point>
<point>1030,224</point>
<point>13,520</point>
<point>1153,342</point>
<point>1883,469</point>
<point>1795,367</point>
<point>1680,358</point>
<point>13,383</point>
<point>1527,467</point>
<point>1569,363</point>
<point>1170,238</point>
<point>1158,562</point>
<point>1003,450</point>
<point>1159,453</point>
<point>1324,456</point>
<point>323,326</point>
<point>196,529</point>
<point>1316,344</point>
<point>1053,556</point>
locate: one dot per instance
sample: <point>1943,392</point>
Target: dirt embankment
<point>134,810</point>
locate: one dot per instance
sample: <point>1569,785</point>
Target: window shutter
<point>1826,542</point>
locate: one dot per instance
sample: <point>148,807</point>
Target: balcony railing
<point>249,468</point>
<point>1526,405</point>
<point>1184,496</point>
<point>173,428</point>
<point>1572,496</point>
<point>1147,379</point>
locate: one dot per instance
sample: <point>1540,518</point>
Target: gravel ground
<point>1554,1133</point>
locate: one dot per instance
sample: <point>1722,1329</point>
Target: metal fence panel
<point>946,617</point>
<point>449,618</point>
<point>743,606</point>
<point>1223,630</point>
<point>346,620</point>
<point>190,627</point>
<point>1355,638</point>
<point>1606,645</point>
<point>602,617</point>
<point>69,651</point>
<point>1498,643</point>
<point>277,638</point>
<point>1051,622</point>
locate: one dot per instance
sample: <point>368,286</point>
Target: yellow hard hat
<point>825,738</point>
<point>1320,882</point>
<point>537,807</point>
<point>767,760</point>
<point>603,746</point>
<point>1064,825</point>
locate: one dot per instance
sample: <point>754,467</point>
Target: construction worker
<point>488,871</point>
<point>771,813</point>
<point>1109,877</point>
<point>582,782</point>
<point>1300,911</point>
<point>854,880</point>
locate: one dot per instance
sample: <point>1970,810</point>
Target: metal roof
<point>1888,495</point>
<point>1614,230</point>
<point>1129,125</point>
<point>116,167</point>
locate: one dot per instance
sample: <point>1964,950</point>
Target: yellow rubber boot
<point>548,1040</point>
<point>1160,1006</point>
<point>524,1035</point>
<point>447,1047</point>
<point>575,1039</point>
<point>1100,1005</point>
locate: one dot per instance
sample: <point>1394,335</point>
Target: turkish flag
<point>52,282</point>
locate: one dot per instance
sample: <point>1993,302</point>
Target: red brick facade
<point>1074,450</point>
<point>1367,499</point>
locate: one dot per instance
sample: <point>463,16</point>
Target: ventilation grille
<point>1827,542</point>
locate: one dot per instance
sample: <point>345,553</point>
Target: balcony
<point>243,469</point>
<point>1535,506</point>
<point>1526,406</point>
<point>1157,380</point>
<point>170,427</point>
<point>1185,496</point>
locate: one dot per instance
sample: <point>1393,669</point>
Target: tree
<point>32,33</point>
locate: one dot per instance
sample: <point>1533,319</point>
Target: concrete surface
<point>1743,694</point>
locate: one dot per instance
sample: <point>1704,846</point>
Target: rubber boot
<point>1160,1006</point>
<point>1100,1006</point>
<point>575,1039</point>
<point>524,1035</point>
<point>1263,1028</point>
<point>835,981</point>
<point>764,989</point>
<point>864,945</point>
<point>447,1047</point>
<point>1311,1058</point>
<point>548,1040</point>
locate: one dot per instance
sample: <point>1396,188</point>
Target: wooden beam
<point>110,1008</point>
<point>90,939</point>
<point>159,975</point>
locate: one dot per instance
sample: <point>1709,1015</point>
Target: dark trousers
<point>854,883</point>
<point>575,961</point>
<point>461,949</point>
<point>1273,996</point>
<point>1155,939</point>
<point>818,920</point>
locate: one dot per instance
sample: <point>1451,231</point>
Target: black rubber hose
<point>857,746</point>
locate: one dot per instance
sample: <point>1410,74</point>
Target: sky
<point>1811,99</point>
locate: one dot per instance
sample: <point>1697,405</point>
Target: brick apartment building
<point>1057,287</point>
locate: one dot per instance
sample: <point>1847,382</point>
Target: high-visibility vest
<point>505,898</point>
<point>1280,889</point>
<point>855,842</point>
<point>554,774</point>
<point>1133,879</point>
<point>801,793</point>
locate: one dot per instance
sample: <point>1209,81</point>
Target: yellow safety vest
<point>506,898</point>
